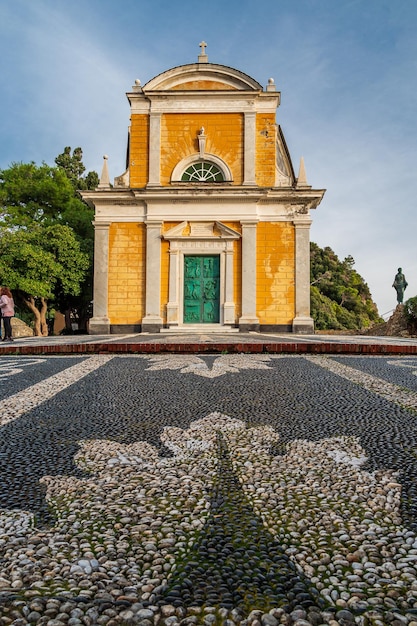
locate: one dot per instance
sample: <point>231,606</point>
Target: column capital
<point>101,225</point>
<point>251,222</point>
<point>302,223</point>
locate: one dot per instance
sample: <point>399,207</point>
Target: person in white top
<point>7,311</point>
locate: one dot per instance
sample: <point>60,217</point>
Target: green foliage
<point>410,310</point>
<point>29,193</point>
<point>40,260</point>
<point>79,216</point>
<point>46,232</point>
<point>340,299</point>
<point>73,167</point>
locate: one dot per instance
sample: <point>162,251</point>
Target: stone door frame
<point>200,242</point>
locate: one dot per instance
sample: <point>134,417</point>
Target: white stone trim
<point>180,168</point>
<point>210,102</point>
<point>249,149</point>
<point>303,322</point>
<point>152,319</point>
<point>249,317</point>
<point>182,245</point>
<point>175,76</point>
<point>100,322</point>
<point>154,149</point>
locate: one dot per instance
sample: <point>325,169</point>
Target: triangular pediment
<point>201,230</point>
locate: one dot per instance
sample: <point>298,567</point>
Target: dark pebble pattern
<point>236,564</point>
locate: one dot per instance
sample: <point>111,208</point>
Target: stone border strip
<point>405,398</point>
<point>26,400</point>
<point>195,347</point>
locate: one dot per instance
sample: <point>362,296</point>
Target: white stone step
<point>193,329</point>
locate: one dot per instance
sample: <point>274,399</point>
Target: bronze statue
<point>400,285</point>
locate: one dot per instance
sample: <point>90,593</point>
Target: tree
<point>73,167</point>
<point>81,221</point>
<point>410,311</point>
<point>39,216</point>
<point>340,298</point>
<point>35,262</point>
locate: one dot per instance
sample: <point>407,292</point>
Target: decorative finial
<point>271,85</point>
<point>302,178</point>
<point>104,179</point>
<point>203,58</point>
<point>137,86</point>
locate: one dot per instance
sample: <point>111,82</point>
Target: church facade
<point>208,228</point>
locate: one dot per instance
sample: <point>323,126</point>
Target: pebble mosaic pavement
<point>208,489</point>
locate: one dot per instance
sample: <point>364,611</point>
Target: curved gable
<point>199,76</point>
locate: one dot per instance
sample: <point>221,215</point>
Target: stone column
<point>302,324</point>
<point>152,322</point>
<point>249,320</point>
<point>249,149</point>
<point>229,304</point>
<point>173,303</point>
<point>154,149</point>
<point>100,323</point>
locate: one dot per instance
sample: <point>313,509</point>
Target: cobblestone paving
<point>227,489</point>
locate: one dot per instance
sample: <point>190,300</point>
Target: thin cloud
<point>346,72</point>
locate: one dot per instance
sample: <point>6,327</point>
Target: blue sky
<point>346,69</point>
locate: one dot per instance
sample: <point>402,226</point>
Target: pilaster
<point>249,149</point>
<point>173,302</point>
<point>229,304</point>
<point>249,320</point>
<point>154,149</point>
<point>303,324</point>
<point>100,323</point>
<point>152,322</point>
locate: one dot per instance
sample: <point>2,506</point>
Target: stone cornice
<point>205,102</point>
<point>309,198</point>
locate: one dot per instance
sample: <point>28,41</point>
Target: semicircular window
<point>203,172</point>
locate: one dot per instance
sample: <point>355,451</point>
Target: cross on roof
<point>203,45</point>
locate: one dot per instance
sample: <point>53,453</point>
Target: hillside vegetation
<point>340,298</point>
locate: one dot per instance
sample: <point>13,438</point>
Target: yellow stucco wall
<point>265,149</point>
<point>224,139</point>
<point>127,256</point>
<point>139,147</point>
<point>206,85</point>
<point>275,276</point>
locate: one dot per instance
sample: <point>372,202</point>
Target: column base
<point>247,323</point>
<point>99,326</point>
<point>303,326</point>
<point>229,313</point>
<point>172,314</point>
<point>151,324</point>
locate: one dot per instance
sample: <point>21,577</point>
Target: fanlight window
<point>203,172</point>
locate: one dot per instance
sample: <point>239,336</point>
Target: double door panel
<point>201,289</point>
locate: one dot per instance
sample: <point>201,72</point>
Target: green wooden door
<point>201,289</point>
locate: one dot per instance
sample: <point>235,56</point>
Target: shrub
<point>410,310</point>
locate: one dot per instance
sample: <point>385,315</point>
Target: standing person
<point>7,310</point>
